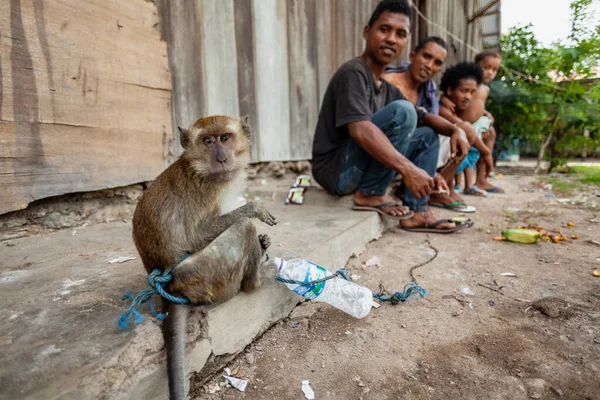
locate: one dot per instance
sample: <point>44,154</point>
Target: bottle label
<point>313,273</point>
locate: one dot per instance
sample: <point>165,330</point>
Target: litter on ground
<point>121,259</point>
<point>372,262</point>
<point>239,384</point>
<point>307,390</point>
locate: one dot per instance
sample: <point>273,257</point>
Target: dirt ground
<point>533,335</point>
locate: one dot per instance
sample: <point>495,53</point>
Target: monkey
<point>189,209</point>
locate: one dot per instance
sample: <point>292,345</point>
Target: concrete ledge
<point>60,339</point>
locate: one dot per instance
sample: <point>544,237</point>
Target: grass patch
<point>563,185</point>
<point>574,181</point>
<point>590,175</point>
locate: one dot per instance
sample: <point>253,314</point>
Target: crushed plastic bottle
<point>345,295</point>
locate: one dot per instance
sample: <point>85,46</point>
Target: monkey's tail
<point>175,338</point>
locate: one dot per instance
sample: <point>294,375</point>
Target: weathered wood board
<point>245,64</point>
<point>271,79</point>
<point>180,24</point>
<point>304,91</point>
<point>90,99</point>
<point>220,61</point>
<point>85,95</point>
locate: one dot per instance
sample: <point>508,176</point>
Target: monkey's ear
<point>246,125</point>
<point>184,137</point>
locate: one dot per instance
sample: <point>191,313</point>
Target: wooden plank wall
<point>268,59</point>
<point>275,63</point>
<point>85,97</point>
<point>453,17</point>
<point>86,100</point>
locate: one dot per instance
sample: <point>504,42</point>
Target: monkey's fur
<point>189,209</point>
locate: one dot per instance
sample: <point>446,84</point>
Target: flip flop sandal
<point>379,209</point>
<point>458,189</point>
<point>463,221</point>
<point>456,207</point>
<point>475,191</point>
<point>495,189</point>
<point>432,228</point>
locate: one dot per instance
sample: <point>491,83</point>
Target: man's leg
<point>423,150</point>
<point>447,168</point>
<point>367,177</point>
<point>398,121</point>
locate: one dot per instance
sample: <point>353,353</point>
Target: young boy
<point>489,61</point>
<point>462,85</point>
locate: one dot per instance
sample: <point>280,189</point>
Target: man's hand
<point>440,184</point>
<point>418,181</point>
<point>489,163</point>
<point>458,145</point>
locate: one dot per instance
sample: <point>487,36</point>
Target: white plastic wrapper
<point>308,392</point>
<point>239,384</point>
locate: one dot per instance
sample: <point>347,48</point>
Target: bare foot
<point>454,195</point>
<point>425,218</point>
<point>447,199</point>
<point>475,191</point>
<point>361,199</point>
<point>486,185</point>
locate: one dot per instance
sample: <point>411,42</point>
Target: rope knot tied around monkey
<point>157,279</point>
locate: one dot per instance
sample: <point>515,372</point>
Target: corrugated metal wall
<point>272,60</point>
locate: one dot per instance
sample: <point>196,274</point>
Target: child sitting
<point>461,84</point>
<point>489,61</point>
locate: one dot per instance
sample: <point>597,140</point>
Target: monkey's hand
<point>257,210</point>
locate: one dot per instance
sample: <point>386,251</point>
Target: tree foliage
<point>545,95</point>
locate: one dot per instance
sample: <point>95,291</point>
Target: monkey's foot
<point>265,241</point>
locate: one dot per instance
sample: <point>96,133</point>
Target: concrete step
<point>62,299</point>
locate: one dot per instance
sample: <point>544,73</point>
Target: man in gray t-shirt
<point>366,131</point>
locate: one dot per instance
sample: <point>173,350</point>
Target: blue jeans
<point>421,146</point>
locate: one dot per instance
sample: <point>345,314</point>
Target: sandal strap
<point>387,204</point>
<point>439,222</point>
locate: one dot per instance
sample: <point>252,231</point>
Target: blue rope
<point>156,280</point>
<point>340,272</point>
<point>410,289</point>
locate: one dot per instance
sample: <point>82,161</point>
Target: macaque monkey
<point>190,210</point>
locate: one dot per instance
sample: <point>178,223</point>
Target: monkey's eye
<point>209,140</point>
<point>224,137</point>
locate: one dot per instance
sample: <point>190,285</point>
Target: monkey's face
<point>217,146</point>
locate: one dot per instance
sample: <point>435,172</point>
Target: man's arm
<point>368,136</point>
<point>450,116</point>
<point>440,125</point>
<point>484,151</point>
<point>444,127</point>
